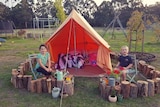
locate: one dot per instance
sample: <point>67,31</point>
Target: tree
<point>60,12</point>
<point>44,9</point>
<point>87,8</point>
<point>136,24</point>
<point>4,12</point>
<point>22,14</point>
<point>104,14</point>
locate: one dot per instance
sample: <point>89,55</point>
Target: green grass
<point>86,92</point>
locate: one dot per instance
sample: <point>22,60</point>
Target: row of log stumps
<point>142,88</point>
<point>21,80</point>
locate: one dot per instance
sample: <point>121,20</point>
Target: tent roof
<point>83,23</point>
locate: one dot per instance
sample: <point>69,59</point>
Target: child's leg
<point>124,75</point>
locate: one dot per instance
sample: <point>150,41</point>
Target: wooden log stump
<point>140,66</point>
<point>107,91</point>
<point>25,81</point>
<point>20,70</point>
<point>158,73</point>
<point>102,87</point>
<point>20,81</point>
<point>157,85</point>
<point>14,78</point>
<point>153,74</point>
<point>44,85</point>
<point>27,66</point>
<point>29,82</point>
<point>125,89</point>
<point>118,89</point>
<point>149,69</point>
<point>49,85</point>
<point>59,84</point>
<point>33,87</point>
<point>144,70</point>
<point>68,88</point>
<point>23,67</point>
<point>53,81</point>
<point>39,85</point>
<point>133,90</point>
<point>142,88</point>
<point>151,87</point>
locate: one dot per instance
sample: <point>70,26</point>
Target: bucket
<point>111,81</point>
<point>55,92</point>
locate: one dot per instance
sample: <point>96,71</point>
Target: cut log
<point>33,86</point>
<point>14,78</point>
<point>102,87</point>
<point>107,91</point>
<point>158,85</point>
<point>39,85</point>
<point>59,84</point>
<point>44,85</point>
<point>54,84</point>
<point>133,90</point>
<point>149,69</point>
<point>158,74</point>
<point>141,64</point>
<point>49,85</point>
<point>125,89</point>
<point>25,81</point>
<point>29,82</point>
<point>118,89</point>
<point>27,66</point>
<point>151,87</point>
<point>23,67</point>
<point>142,88</point>
<point>152,74</point>
<point>68,88</point>
<point>20,70</point>
<point>20,81</point>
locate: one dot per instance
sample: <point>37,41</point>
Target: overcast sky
<point>148,2</point>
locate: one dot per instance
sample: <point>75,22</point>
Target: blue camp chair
<point>32,58</point>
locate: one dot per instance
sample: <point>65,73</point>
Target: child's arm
<point>41,65</point>
<point>129,66</point>
<point>117,64</point>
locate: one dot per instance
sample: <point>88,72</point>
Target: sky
<point>148,2</point>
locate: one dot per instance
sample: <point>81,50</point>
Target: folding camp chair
<point>32,60</point>
<point>133,71</point>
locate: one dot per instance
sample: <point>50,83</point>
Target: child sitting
<point>124,61</point>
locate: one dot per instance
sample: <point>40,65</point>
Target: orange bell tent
<point>75,34</point>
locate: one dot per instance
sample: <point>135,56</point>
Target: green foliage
<point>60,12</point>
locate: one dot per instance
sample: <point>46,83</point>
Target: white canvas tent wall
<point>75,33</point>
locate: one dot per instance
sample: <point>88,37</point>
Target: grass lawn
<point>86,93</point>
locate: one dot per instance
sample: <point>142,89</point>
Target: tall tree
<point>22,14</point>
<point>136,24</point>
<point>104,14</point>
<point>60,12</point>
<point>44,9</point>
<point>4,12</point>
<point>87,8</point>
